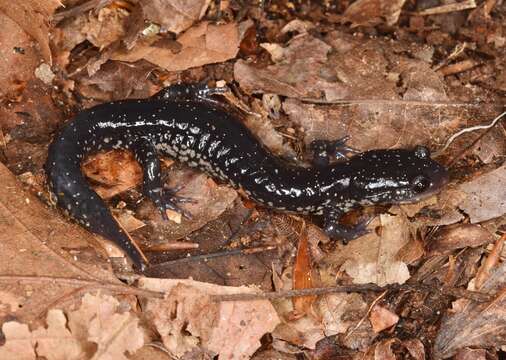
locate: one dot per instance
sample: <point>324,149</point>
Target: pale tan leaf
<point>373,258</point>
<point>98,320</point>
<point>18,342</point>
<point>37,242</point>
<point>486,196</point>
<point>187,317</point>
<point>56,342</point>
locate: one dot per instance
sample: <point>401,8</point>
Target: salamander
<point>186,123</point>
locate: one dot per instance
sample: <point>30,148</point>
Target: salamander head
<point>395,176</point>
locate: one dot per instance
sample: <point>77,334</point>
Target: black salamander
<point>184,122</point>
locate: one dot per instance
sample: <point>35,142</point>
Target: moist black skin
<point>185,123</point>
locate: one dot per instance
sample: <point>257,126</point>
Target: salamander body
<point>184,123</point>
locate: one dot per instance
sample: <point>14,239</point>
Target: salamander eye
<point>420,183</point>
<point>422,152</point>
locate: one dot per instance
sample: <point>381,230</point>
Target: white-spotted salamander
<point>184,122</point>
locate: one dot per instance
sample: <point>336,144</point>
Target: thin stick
<point>79,9</point>
<point>117,288</point>
<point>206,257</point>
<point>392,102</point>
<point>373,304</point>
<point>464,5</point>
<point>470,129</point>
<point>472,295</point>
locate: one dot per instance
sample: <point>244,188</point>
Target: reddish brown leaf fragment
<point>460,236</point>
<point>115,171</point>
<point>381,318</point>
<point>303,274</point>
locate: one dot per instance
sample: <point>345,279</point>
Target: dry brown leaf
<point>381,318</point>
<point>264,129</point>
<point>175,15</point>
<point>97,321</point>
<point>460,236</point>
<point>486,196</point>
<point>299,75</point>
<point>415,348</point>
<point>333,309</point>
<point>116,81</point>
<point>210,200</point>
<point>37,242</point>
<point>33,17</point>
<point>202,44</point>
<point>101,320</point>
<point>344,67</point>
<point>25,60</point>
<point>187,318</point>
<point>491,146</point>
<point>471,354</point>
<point>330,319</point>
<point>304,332</point>
<point>9,303</point>
<point>480,325</point>
<point>373,12</point>
<point>105,26</point>
<point>373,258</point>
<point>114,333</point>
<point>382,350</point>
<point>56,342</point>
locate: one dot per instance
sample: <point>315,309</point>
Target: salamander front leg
<point>164,199</point>
<point>337,231</point>
<point>325,150</point>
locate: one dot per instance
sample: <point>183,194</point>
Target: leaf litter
<point>388,74</point>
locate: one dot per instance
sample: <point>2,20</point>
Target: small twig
<point>298,292</point>
<point>350,102</point>
<point>367,314</point>
<point>206,257</point>
<point>458,67</point>
<point>459,49</point>
<point>464,5</point>
<point>93,285</point>
<point>79,9</point>
<point>170,246</point>
<point>469,129</point>
<point>160,347</point>
<point>472,295</point>
<point>490,262</point>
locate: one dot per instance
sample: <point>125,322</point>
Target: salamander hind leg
<point>336,231</point>
<point>152,186</point>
